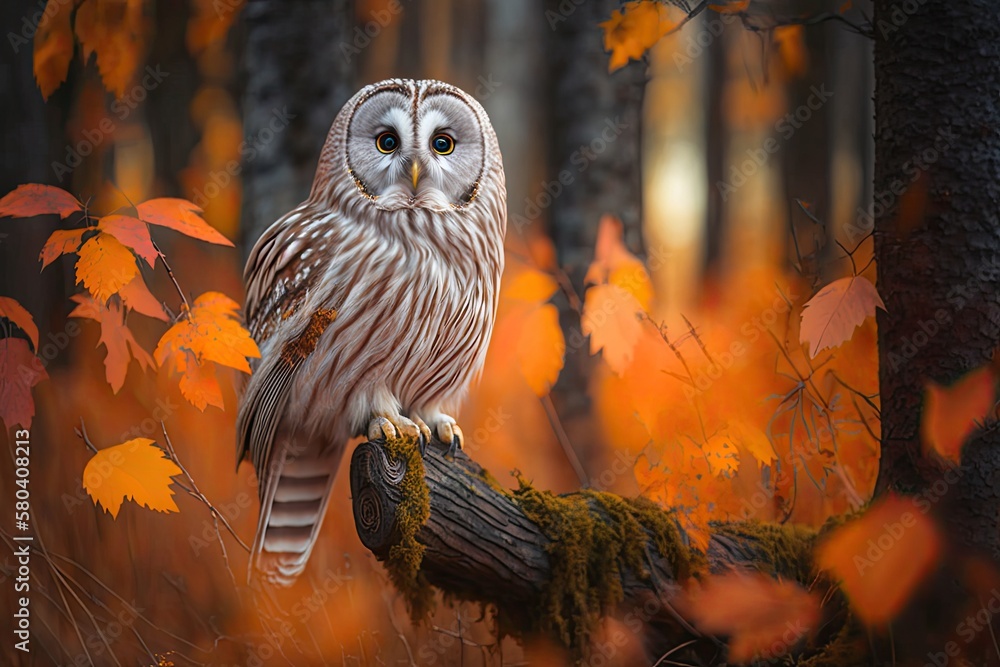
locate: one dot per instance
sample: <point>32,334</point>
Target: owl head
<point>405,144</point>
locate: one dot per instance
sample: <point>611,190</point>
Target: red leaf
<point>16,313</point>
<point>952,414</point>
<point>35,199</point>
<point>182,216</point>
<point>20,370</point>
<point>115,336</point>
<point>131,232</point>
<point>62,242</point>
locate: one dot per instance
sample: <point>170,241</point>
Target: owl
<point>372,302</point>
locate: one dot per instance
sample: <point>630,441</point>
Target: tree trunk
<point>936,112</point>
<point>594,131</point>
<point>298,62</point>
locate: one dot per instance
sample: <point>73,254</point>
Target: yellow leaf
<point>952,414</point>
<point>209,332</point>
<point>754,611</point>
<point>613,263</point>
<point>53,46</point>
<point>105,266</point>
<point>753,440</point>
<point>881,557</point>
<point>199,384</point>
<point>131,232</point>
<point>634,29</point>
<point>136,470</point>
<point>541,349</point>
<point>611,319</point>
<point>830,317</point>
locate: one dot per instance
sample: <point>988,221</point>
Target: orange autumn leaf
<point>20,370</point>
<point>115,336</point>
<point>130,232</point>
<point>136,296</point>
<point>613,263</point>
<point>209,332</point>
<point>105,266</point>
<point>17,315</point>
<point>61,242</point>
<point>633,30</point>
<point>181,216</point>
<point>722,454</point>
<point>541,349</point>
<point>756,612</point>
<point>198,383</point>
<point>53,46</point>
<point>135,470</point>
<point>34,199</point>
<point>113,30</point>
<point>881,557</point>
<point>753,440</point>
<point>830,317</point>
<point>530,285</point>
<point>952,414</point>
<point>611,319</point>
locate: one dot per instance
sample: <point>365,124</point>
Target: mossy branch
<point>551,564</point>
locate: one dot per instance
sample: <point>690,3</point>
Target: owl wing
<point>276,287</point>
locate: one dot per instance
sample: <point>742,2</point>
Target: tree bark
<point>936,114</point>
<point>480,545</point>
<point>298,64</point>
<point>594,129</point>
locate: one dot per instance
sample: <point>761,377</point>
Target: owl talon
<point>425,435</point>
<point>393,428</point>
<point>449,433</point>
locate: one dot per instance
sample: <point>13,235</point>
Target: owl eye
<point>387,142</point>
<point>443,144</point>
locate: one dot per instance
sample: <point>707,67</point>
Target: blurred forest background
<point>735,154</point>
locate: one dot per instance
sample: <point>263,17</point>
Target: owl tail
<point>293,504</point>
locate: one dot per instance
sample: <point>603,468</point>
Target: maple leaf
<point>541,349</point>
<point>830,317</point>
<point>952,414</point>
<point>881,557</point>
<point>182,216</point>
<point>16,313</point>
<point>613,263</point>
<point>753,440</point>
<point>209,332</point>
<point>610,318</point>
<point>20,370</point>
<point>131,232</point>
<point>33,199</point>
<point>136,296</point>
<point>61,242</point>
<point>53,49</point>
<point>530,285</point>
<point>634,29</point>
<point>112,29</point>
<point>722,455</point>
<point>136,470</point>
<point>754,611</point>
<point>115,336</point>
<point>105,266</point>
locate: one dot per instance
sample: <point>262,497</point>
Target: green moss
<point>783,549</point>
<point>403,563</point>
<point>595,537</point>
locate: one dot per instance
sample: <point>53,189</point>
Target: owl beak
<point>415,172</point>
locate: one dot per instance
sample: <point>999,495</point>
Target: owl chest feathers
<point>414,312</point>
